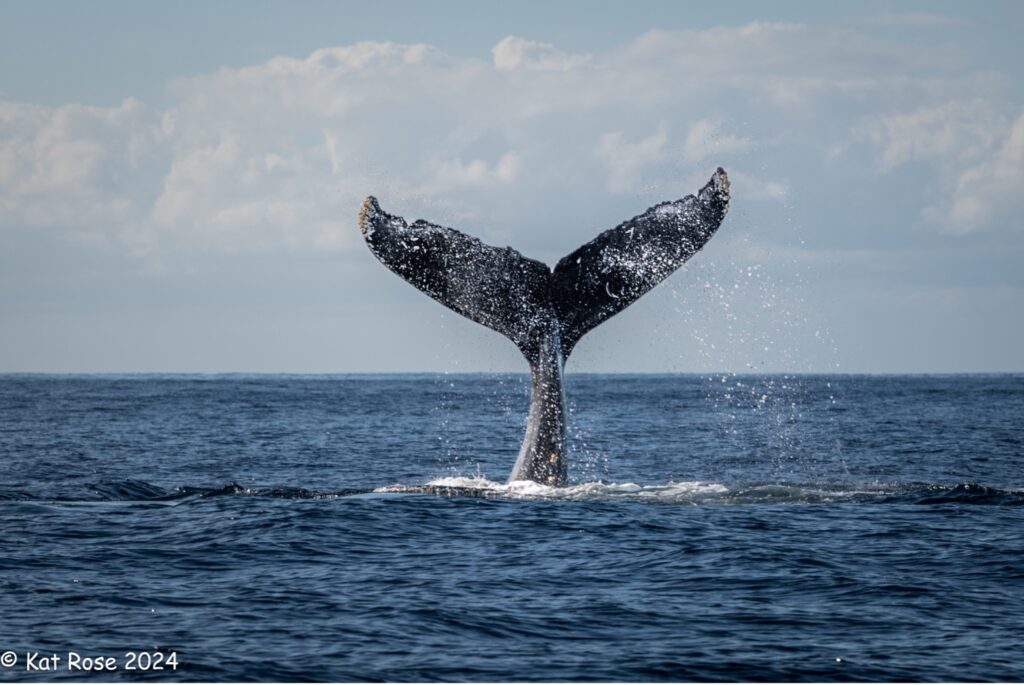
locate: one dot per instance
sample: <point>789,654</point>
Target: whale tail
<point>521,297</point>
<point>545,312</point>
<point>496,287</point>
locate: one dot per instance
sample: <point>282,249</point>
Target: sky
<point>180,182</point>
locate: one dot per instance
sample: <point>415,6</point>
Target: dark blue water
<point>288,528</point>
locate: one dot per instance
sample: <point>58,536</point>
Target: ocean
<point>716,527</point>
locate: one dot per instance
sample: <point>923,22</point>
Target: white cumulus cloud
<point>518,53</point>
<point>975,152</point>
<point>278,155</point>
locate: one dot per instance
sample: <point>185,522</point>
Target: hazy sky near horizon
<point>180,182</point>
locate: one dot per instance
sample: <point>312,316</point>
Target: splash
<point>479,487</point>
<point>699,492</point>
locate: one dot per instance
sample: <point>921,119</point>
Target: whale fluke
<point>612,271</point>
<point>545,312</point>
<point>496,287</point>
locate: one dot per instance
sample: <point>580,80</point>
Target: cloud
<point>976,149</point>
<point>278,155</point>
<point>454,174</point>
<point>625,160</point>
<point>755,188</point>
<point>705,139</point>
<point>642,165</point>
<point>59,166</point>
<point>517,53</point>
<point>957,130</point>
<point>991,190</point>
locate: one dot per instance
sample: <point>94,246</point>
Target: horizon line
<point>313,374</point>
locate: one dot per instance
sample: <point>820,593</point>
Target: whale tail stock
<point>546,311</point>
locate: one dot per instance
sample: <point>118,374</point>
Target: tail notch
<point>519,297</point>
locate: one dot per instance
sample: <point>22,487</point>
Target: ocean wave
<point>671,492</point>
<point>699,492</point>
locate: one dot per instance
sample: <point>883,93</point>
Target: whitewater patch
<point>671,492</point>
<point>681,492</point>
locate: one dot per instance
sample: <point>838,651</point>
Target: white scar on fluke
<point>546,311</point>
